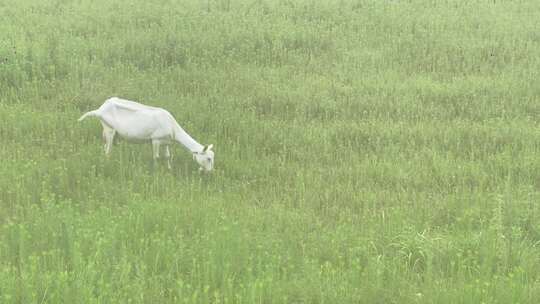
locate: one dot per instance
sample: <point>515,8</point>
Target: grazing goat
<point>139,123</point>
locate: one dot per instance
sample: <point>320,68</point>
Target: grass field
<point>366,152</point>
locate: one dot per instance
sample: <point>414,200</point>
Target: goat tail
<point>91,113</point>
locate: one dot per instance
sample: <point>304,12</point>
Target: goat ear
<point>207,148</point>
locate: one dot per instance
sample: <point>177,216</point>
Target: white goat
<point>137,122</point>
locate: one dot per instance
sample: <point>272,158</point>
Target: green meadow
<point>367,151</point>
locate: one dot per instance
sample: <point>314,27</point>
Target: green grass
<point>366,152</point>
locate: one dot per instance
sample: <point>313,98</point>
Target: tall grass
<point>366,152</point>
